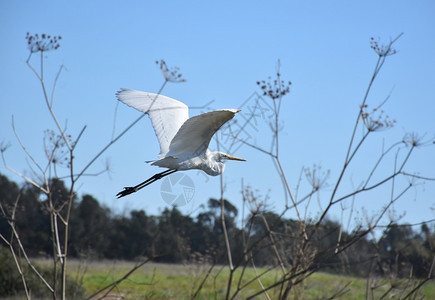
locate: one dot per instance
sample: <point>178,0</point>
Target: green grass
<point>166,281</point>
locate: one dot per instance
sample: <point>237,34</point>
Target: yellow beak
<point>235,158</point>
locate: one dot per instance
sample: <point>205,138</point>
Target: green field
<point>166,281</point>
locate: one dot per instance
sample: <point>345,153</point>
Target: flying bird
<point>183,141</point>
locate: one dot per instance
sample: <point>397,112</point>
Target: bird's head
<point>223,156</point>
<point>216,162</point>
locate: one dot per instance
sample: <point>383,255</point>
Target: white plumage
<point>183,141</point>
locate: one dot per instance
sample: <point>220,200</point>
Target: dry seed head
<point>170,74</point>
<point>381,49</point>
<point>42,43</point>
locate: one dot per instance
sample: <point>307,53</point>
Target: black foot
<point>127,191</point>
<point>131,189</point>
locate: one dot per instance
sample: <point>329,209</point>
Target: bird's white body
<point>183,141</point>
<point>210,162</point>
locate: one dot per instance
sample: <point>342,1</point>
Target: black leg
<point>131,189</point>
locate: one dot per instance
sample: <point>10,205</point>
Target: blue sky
<point>222,49</point>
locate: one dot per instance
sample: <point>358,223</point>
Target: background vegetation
<point>172,237</point>
<point>45,218</point>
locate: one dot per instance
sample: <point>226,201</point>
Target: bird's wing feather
<point>166,114</point>
<point>195,134</point>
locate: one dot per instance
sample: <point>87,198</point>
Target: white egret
<point>183,141</point>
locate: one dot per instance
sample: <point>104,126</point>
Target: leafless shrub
<point>299,248</point>
<point>59,147</point>
<point>295,246</point>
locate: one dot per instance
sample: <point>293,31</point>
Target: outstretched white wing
<point>166,114</point>
<point>195,134</point>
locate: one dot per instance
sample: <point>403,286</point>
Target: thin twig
<point>112,285</point>
<point>201,285</point>
<point>115,139</point>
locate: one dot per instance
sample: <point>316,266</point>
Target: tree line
<point>98,233</point>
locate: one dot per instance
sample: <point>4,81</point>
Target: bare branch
<point>114,284</point>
